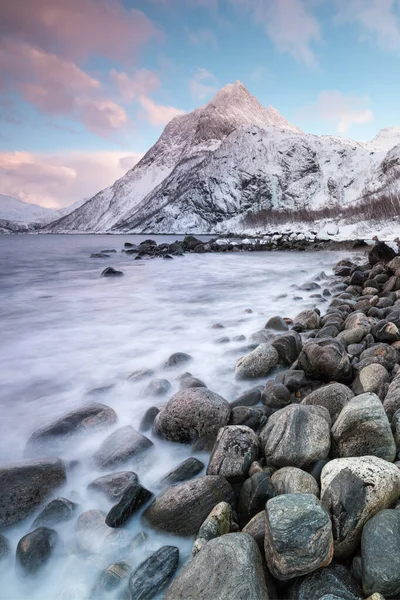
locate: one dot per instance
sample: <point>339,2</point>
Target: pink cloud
<point>200,90</point>
<point>142,83</point>
<point>102,116</point>
<point>159,114</point>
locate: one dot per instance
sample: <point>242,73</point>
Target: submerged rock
<point>111,579</point>
<point>35,549</point>
<point>57,511</point>
<point>288,347</point>
<point>154,573</point>
<point>4,547</point>
<point>114,484</point>
<point>111,272</point>
<point>177,359</point>
<point>188,469</point>
<point>121,446</point>
<point>158,387</point>
<point>92,531</point>
<point>258,363</point>
<point>133,498</point>
<point>148,418</point>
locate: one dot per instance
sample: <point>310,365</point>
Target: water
<point>66,331</point>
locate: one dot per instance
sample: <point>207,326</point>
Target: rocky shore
<point>299,497</point>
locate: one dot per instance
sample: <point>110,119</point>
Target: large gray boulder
<point>306,319</point>
<point>298,535</point>
<point>291,480</point>
<point>154,573</point>
<point>288,347</point>
<point>296,436</point>
<point>333,396</point>
<point>362,429</point>
<point>371,378</point>
<point>113,485</point>
<point>229,566</point>
<point>330,583</point>
<point>182,508</point>
<point>121,446</point>
<point>380,554</point>
<point>55,436</point>
<point>25,485</point>
<point>192,414</point>
<point>353,490</point>
<point>258,363</point>
<point>325,359</point>
<point>235,449</point>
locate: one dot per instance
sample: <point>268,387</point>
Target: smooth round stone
<point>57,511</point>
<point>188,469</point>
<point>288,347</point>
<point>325,360</point>
<point>140,375</point>
<point>35,549</point>
<point>154,573</point>
<point>235,449</point>
<point>333,397</point>
<point>275,395</point>
<point>370,379</point>
<point>133,498</point>
<point>92,531</point>
<point>158,387</point>
<point>120,446</point>
<point>177,360</point>
<point>330,583</point>
<point>291,480</point>
<point>111,579</point>
<point>114,484</point>
<point>383,353</point>
<point>258,363</point>
<point>148,418</point>
<point>298,536</point>
<point>229,566</point>
<point>255,492</point>
<point>248,398</point>
<point>218,522</point>
<point>305,320</point>
<point>191,382</point>
<point>277,323</point>
<point>248,416</point>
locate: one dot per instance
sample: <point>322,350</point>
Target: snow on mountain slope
<point>14,210</point>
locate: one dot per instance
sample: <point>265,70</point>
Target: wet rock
<point>4,547</point>
<point>148,418</point>
<point>330,583</point>
<point>256,528</point>
<point>291,480</point>
<point>217,523</point>
<point>114,484</point>
<point>288,347</point>
<point>154,573</point>
<point>121,446</point>
<point>235,449</point>
<point>133,498</point>
<point>248,398</point>
<point>391,402</point>
<point>333,397</point>
<point>275,395</point>
<point>188,469</point>
<point>292,379</point>
<point>177,360</point>
<point>25,485</point>
<point>383,354</point>
<point>250,417</point>
<point>380,252</point>
<point>355,349</point>
<point>352,491</point>
<point>191,382</point>
<point>229,566</point>
<point>385,332</point>
<point>298,535</point>
<point>57,511</point>
<point>363,429</point>
<point>306,319</point>
<point>380,552</point>
<point>191,414</point>
<point>99,255</point>
<point>263,336</point>
<point>57,435</point>
<point>370,379</point>
<point>325,359</point>
<point>91,531</point>
<point>158,387</point>
<point>255,492</point>
<point>140,375</point>
<point>111,272</point>
<point>222,340</point>
<point>258,363</point>
<point>343,268</point>
<point>182,508</point>
<point>111,579</point>
<point>277,323</point>
<point>296,436</point>
<point>35,549</point>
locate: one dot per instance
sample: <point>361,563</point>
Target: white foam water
<point>66,331</point>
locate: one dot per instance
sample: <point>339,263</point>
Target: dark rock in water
<point>386,332</point>
<point>128,245</point>
<point>380,252</point>
<point>57,511</point>
<point>168,256</point>
<point>100,255</point>
<point>188,469</point>
<point>306,320</point>
<point>148,418</point>
<point>222,340</point>
<point>114,484</point>
<point>275,395</point>
<point>218,522</point>
<point>140,375</point>
<point>133,250</point>
<point>35,549</point>
<point>333,396</point>
<point>111,579</point>
<point>309,286</point>
<point>391,402</point>
<point>191,382</point>
<point>331,583</point>
<point>291,480</point>
<point>325,359</point>
<point>121,446</point>
<point>288,347</point>
<point>248,398</point>
<point>133,498</point>
<point>99,391</point>
<point>191,414</point>
<point>57,435</point>
<point>182,508</point>
<point>263,336</point>
<point>176,249</point>
<point>256,528</point>
<point>227,567</point>
<point>258,363</point>
<point>255,492</point>
<point>357,278</point>
<point>158,387</point>
<point>277,323</point>
<point>296,436</point>
<point>4,547</point>
<point>25,485</point>
<point>176,360</point>
<point>352,491</point>
<point>298,535</point>
<point>190,242</point>
<point>380,553</point>
<point>292,379</point>
<point>154,573</point>
<point>235,449</point>
<point>108,251</point>
<point>111,272</point>
<point>250,417</point>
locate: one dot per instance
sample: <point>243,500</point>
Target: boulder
<point>229,566</point>
<point>25,485</point>
<point>133,498</point>
<point>363,429</point>
<point>35,549</point>
<point>380,252</point>
<point>57,435</point>
<point>325,359</point>
<point>305,320</point>
<point>353,490</point>
<point>291,480</point>
<point>147,421</point>
<point>235,449</point>
<point>191,382</point>
<point>383,354</point>
<point>182,508</point>
<point>277,323</point>
<point>380,554</point>
<point>114,484</point>
<point>248,416</point>
<point>298,535</point>
<point>153,574</point>
<point>92,532</point>
<point>333,397</point>
<point>121,446</point>
<point>275,395</point>
<point>57,511</point>
<point>111,579</point>
<point>330,583</point>
<point>217,523</point>
<point>177,360</point>
<point>288,347</point>
<point>296,436</point>
<point>371,378</point>
<point>386,332</point>
<point>158,387</point>
<point>258,363</point>
<point>248,398</point>
<point>188,469</point>
<point>255,492</point>
<point>111,272</point>
<point>391,402</point>
<point>191,414</point>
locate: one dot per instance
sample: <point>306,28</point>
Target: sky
<point>87,86</point>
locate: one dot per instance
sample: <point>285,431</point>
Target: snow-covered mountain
<point>16,211</point>
<point>213,165</point>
